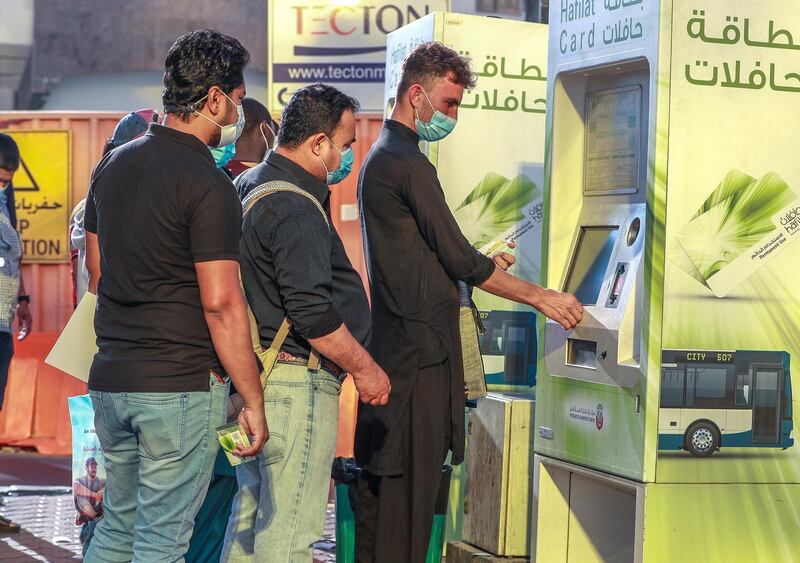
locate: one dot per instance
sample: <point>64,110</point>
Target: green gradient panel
<point>724,142</point>
<point>722,523</point>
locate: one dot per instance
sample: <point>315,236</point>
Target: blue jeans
<point>159,450</point>
<point>279,510</point>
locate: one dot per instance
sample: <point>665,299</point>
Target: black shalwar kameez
<point>416,253</point>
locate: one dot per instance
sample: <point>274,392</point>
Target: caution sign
<point>42,192</point>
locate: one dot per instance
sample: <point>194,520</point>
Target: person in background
<point>130,127</point>
<point>254,142</point>
<point>13,298</point>
<point>416,255</point>
<point>77,253</point>
<point>257,138</point>
<point>162,249</point>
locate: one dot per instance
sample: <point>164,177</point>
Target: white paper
<point>75,348</point>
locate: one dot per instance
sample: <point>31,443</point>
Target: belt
<point>325,363</point>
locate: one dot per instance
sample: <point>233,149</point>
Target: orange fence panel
<point>35,413</point>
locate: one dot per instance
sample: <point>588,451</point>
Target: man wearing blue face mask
<point>416,255</point>
<point>294,267</point>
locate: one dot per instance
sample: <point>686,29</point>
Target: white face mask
<point>263,136</point>
<point>230,133</point>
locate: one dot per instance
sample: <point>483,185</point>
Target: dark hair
<point>254,115</point>
<point>108,146</point>
<point>9,153</point>
<point>197,61</point>
<point>314,109</point>
<point>432,60</point>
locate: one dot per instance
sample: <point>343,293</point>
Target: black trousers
<point>394,515</point>
<point>6,352</point>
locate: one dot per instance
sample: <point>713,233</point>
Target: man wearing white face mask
<point>162,246</point>
<point>257,138</point>
<point>416,256</point>
<point>294,267</point>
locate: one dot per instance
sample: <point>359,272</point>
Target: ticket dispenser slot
<point>582,353</point>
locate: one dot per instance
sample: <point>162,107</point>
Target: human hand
<point>561,307</point>
<point>24,319</point>
<point>254,423</point>
<point>373,385</point>
<point>504,260</point>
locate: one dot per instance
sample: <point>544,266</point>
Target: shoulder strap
<point>276,186</point>
<point>256,195</point>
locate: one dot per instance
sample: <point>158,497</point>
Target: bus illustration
<point>715,399</point>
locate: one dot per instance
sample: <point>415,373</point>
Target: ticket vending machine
<point>603,269</point>
<point>671,212</point>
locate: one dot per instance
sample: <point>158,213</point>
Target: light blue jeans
<point>159,450</point>
<point>279,509</point>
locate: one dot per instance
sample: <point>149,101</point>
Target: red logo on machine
<point>598,417</point>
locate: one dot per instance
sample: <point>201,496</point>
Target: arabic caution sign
<point>343,44</point>
<point>42,190</point>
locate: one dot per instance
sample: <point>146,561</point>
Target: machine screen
<point>590,262</point>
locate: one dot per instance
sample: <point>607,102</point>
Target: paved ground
<point>35,493</point>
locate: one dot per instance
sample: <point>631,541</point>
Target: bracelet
<point>23,299</point>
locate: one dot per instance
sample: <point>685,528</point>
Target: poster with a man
<point>87,492</point>
<point>88,474</point>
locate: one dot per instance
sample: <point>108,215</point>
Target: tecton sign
<point>340,42</point>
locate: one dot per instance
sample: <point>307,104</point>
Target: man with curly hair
<point>162,247</point>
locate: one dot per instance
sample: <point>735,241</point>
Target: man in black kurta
<point>416,253</point>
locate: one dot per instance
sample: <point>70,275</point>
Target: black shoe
<point>8,527</point>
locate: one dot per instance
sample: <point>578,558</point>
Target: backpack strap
<point>256,195</point>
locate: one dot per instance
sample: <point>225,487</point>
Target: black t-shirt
<point>158,205</point>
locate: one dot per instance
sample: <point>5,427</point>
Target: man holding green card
<point>162,244</point>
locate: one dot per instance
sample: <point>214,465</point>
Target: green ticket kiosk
<point>665,420</point>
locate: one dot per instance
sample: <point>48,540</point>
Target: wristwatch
<point>23,298</point>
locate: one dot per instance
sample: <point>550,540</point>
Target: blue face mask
<point>336,176</point>
<point>223,155</point>
<point>439,127</point>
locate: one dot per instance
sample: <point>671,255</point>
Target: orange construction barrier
<point>35,412</point>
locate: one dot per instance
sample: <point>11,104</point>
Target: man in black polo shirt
<point>294,265</point>
<point>163,229</point>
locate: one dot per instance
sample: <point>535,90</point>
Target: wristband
<point>23,299</point>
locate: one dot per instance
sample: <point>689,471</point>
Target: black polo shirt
<point>158,205</point>
<point>293,264</point>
